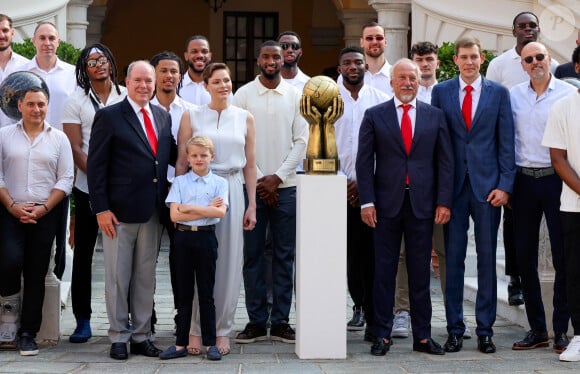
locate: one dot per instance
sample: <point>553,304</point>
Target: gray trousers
<point>130,261</point>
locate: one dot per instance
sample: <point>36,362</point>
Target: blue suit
<point>126,178</point>
<point>484,161</point>
<point>381,167</point>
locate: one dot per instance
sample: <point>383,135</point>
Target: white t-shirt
<point>563,132</point>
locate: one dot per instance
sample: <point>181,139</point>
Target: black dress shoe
<point>357,321</point>
<point>534,339</point>
<point>380,347</point>
<point>515,294</point>
<point>430,346</point>
<point>560,342</point>
<point>454,343</point>
<point>485,344</point>
<point>118,351</point>
<point>145,348</point>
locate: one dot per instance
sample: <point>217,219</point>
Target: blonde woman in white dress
<point>233,133</point>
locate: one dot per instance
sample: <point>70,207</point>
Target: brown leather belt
<point>181,227</point>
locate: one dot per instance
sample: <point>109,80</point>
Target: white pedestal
<point>321,267</point>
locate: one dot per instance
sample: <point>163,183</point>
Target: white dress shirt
<point>194,92</point>
<point>30,171</point>
<point>475,94</point>
<point>176,109</point>
<point>530,116</point>
<point>348,125</point>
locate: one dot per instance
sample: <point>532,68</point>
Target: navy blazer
<point>123,175</point>
<point>429,163</point>
<point>566,71</point>
<point>486,151</point>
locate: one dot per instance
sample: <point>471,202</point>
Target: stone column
<point>95,17</point>
<point>76,23</point>
<point>394,17</point>
<point>353,21</point>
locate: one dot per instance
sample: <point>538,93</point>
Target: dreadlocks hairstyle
<point>81,67</point>
<point>166,55</point>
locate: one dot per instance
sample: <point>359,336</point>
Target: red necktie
<point>466,107</point>
<point>406,132</point>
<point>150,131</point>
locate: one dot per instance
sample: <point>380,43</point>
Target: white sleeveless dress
<point>227,130</point>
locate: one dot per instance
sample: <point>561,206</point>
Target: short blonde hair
<point>202,141</point>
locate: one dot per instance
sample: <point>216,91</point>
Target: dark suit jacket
<point>123,175</point>
<point>487,149</point>
<point>566,71</point>
<point>430,163</point>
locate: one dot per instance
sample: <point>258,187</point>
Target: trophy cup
<point>321,106</point>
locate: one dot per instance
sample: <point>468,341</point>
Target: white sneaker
<point>467,332</point>
<point>572,352</point>
<point>400,325</point>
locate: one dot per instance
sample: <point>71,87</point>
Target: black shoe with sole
<point>380,347</point>
<point>283,333</point>
<point>251,333</point>
<point>119,351</point>
<point>357,322</point>
<point>515,294</point>
<point>485,344</point>
<point>534,339</point>
<point>145,348</point>
<point>430,346</point>
<point>454,343</point>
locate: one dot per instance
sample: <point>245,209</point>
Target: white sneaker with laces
<point>400,325</point>
<point>572,352</point>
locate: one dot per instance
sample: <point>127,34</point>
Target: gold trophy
<point>321,106</point>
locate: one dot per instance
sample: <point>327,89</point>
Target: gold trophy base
<point>321,166</point>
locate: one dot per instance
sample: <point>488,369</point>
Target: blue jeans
<point>282,220</point>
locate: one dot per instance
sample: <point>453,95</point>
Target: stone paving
<point>263,357</point>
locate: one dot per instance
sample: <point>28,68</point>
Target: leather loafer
<point>118,351</point>
<point>534,339</point>
<point>145,348</point>
<point>380,347</point>
<point>485,344</point>
<point>560,342</point>
<point>454,343</point>
<point>430,346</point>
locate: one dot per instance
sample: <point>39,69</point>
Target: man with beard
<point>404,168</point>
<point>374,43</point>
<point>197,55</point>
<point>292,52</point>
<point>281,134</point>
<point>537,191</point>
<point>10,61</point>
<point>507,69</point>
<point>168,73</point>
<point>357,97</point>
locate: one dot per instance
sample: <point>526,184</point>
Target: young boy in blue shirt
<point>197,200</point>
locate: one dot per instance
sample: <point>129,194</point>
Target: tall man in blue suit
<point>410,186</point>
<point>129,150</point>
<point>481,126</point>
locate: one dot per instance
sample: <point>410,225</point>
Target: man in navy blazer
<point>405,182</point>
<point>483,145</point>
<point>129,151</point>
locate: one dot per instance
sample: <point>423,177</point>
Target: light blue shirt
<point>192,189</point>
<point>530,116</point>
